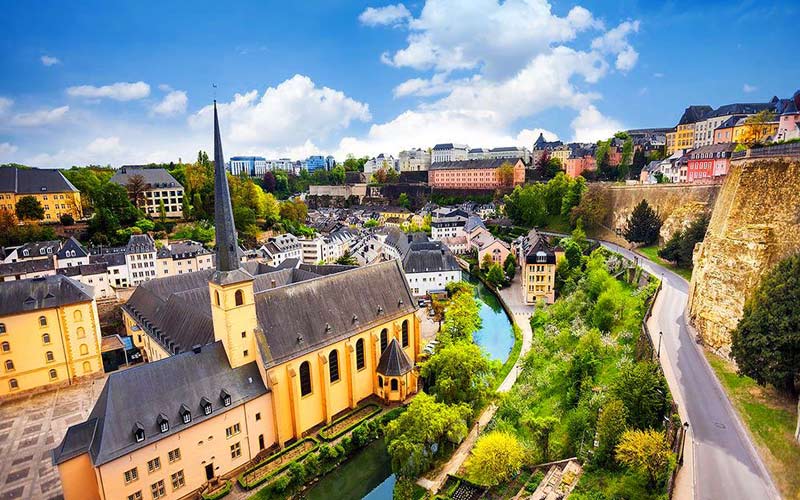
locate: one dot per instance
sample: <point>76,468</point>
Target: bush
<point>296,473</point>
<point>219,493</point>
<point>67,220</point>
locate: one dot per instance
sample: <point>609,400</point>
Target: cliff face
<point>755,224</point>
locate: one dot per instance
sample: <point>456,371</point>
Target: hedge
<point>271,459</point>
<point>375,411</point>
<point>219,493</point>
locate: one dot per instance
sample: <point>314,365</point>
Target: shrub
<point>67,220</point>
<point>219,493</point>
<point>297,473</point>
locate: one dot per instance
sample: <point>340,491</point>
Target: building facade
<point>251,166</point>
<point>49,187</point>
<point>475,174</point>
<point>449,152</point>
<point>414,160</point>
<point>538,264</point>
<point>161,193</point>
<point>708,162</point>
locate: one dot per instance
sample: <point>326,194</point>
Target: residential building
<point>71,253</point>
<point>251,166</point>
<point>709,161</point>
<point>538,262</point>
<point>284,164</point>
<point>381,161</point>
<point>510,153</point>
<point>670,141</point>
<point>789,119</point>
<point>328,248</point>
<point>704,129</point>
<point>474,174</point>
<point>684,134</point>
<point>35,250</point>
<point>428,265</point>
<point>487,245</point>
<point>449,152</point>
<point>742,129</point>
<point>53,191</point>
<point>414,160</point>
<point>93,276</point>
<point>140,255</point>
<point>27,269</point>
<point>580,162</point>
<point>649,171</point>
<point>280,248</point>
<point>448,225</point>
<point>183,257</point>
<point>478,154</point>
<point>724,132</point>
<point>49,334</point>
<point>161,191</point>
<point>245,362</point>
<point>562,154</point>
<point>540,146</point>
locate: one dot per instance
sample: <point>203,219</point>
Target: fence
<point>791,149</point>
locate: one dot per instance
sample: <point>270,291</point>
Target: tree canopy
<point>458,373</point>
<point>495,458</point>
<point>29,208</point>
<point>643,225</point>
<point>680,247</point>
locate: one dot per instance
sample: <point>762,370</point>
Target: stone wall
<point>755,224</point>
<point>678,204</point>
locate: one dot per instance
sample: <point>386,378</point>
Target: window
<point>244,335</point>
<point>393,384</point>
<point>154,464</point>
<point>87,367</point>
<point>84,349</point>
<point>138,432</point>
<point>49,357</point>
<point>216,297</point>
<point>236,450</point>
<point>46,338</point>
<point>239,297</point>
<point>131,475</point>
<point>206,404</point>
<point>333,365</point>
<point>158,490</point>
<point>224,396</point>
<point>163,424</point>
<point>405,333</point>
<point>305,378</point>
<point>2,328</point>
<point>174,455</point>
<point>384,339</point>
<point>81,332</point>
<point>77,315</point>
<point>53,374</point>
<point>233,430</point>
<point>178,480</point>
<point>135,496</point>
<point>13,384</point>
<point>42,321</point>
<point>5,346</point>
<point>360,354</point>
<point>380,381</point>
<point>258,416</point>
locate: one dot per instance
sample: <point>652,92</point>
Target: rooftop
<point>33,181</point>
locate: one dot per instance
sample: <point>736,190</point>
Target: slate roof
<point>394,361</point>
<point>449,145</point>
<point>141,394</point>
<point>469,164</point>
<point>541,143</point>
<point>428,257</point>
<point>694,114</point>
<point>33,181</point>
<point>724,148</point>
<point>534,244</point>
<point>507,148</point>
<point>35,248</point>
<point>84,269</point>
<point>41,293</point>
<point>140,243</point>
<point>740,109</point>
<point>111,259</point>
<point>72,244</point>
<point>155,177</point>
<point>473,222</point>
<point>26,267</point>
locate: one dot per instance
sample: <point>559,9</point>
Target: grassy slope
<point>771,419</point>
<point>651,253</point>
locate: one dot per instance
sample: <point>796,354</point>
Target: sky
<point>129,82</point>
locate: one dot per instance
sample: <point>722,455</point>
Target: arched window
<point>239,297</point>
<point>393,384</point>
<point>305,378</point>
<point>380,381</point>
<point>53,374</point>
<point>404,329</point>
<point>81,332</point>
<point>384,339</point>
<point>12,384</point>
<point>49,356</point>
<point>77,315</point>
<point>87,367</point>
<point>5,346</point>
<point>9,365</point>
<point>360,354</point>
<point>45,338</point>
<point>2,328</point>
<point>216,296</point>
<point>333,365</point>
<point>84,349</point>
<point>42,321</point>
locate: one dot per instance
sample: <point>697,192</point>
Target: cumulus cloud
<point>615,42</point>
<point>6,150</point>
<point>120,91</point>
<point>174,103</point>
<point>590,125</point>
<point>40,117</point>
<point>390,15</point>
<point>749,88</point>
<point>104,146</point>
<point>49,60</point>
<point>283,116</point>
<point>5,104</point>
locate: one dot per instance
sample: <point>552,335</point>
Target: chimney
<point>197,348</point>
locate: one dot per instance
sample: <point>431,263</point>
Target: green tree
<point>67,220</point>
<point>510,266</point>
<point>403,200</point>
<point>610,426</point>
<point>680,247</point>
<point>643,391</point>
<point>643,225</point>
<point>145,225</point>
<point>495,276</point>
<point>458,373</point>
<point>371,223</point>
<point>505,174</point>
<point>593,208</point>
<point>572,197</point>
<point>647,452</point>
<point>29,208</point>
<point>347,259</point>
<point>162,211</point>
<point>540,428</point>
<point>495,458</point>
<point>461,317</point>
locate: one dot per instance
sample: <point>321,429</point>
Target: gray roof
<point>139,395</point>
<point>84,269</point>
<point>464,164</point>
<point>40,293</point>
<point>111,259</point>
<point>35,248</point>
<point>394,361</point>
<point>72,244</point>
<point>507,148</point>
<point>155,177</point>
<point>429,257</point>
<point>140,243</point>
<point>534,244</point>
<point>449,145</point>
<point>740,108</point>
<point>33,181</point>
<point>26,267</point>
<point>473,222</point>
<point>694,114</point>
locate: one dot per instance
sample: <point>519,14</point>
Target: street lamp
<point>660,334</point>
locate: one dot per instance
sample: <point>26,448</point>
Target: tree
<point>540,428</point>
<point>145,225</point>
<point>610,426</point>
<point>572,196</point>
<point>495,276</point>
<point>593,208</point>
<point>643,225</point>
<point>680,247</point>
<point>766,342</point>
<point>403,200</point>
<point>647,452</point>
<point>643,392</point>
<point>757,128</point>
<point>462,317</point>
<point>510,266</point>
<point>458,373</point>
<point>505,174</point>
<point>269,183</point>
<point>162,211</point>
<point>495,458</point>
<point>294,210</point>
<point>371,223</point>
<point>347,259</point>
<point>29,208</point>
<point>67,220</point>
<point>136,187</point>
<point>486,262</point>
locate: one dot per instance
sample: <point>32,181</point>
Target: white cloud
<point>658,75</point>
<point>749,88</point>
<point>5,104</point>
<point>120,91</point>
<point>104,146</point>
<point>6,150</point>
<point>40,117</point>
<point>389,15</point>
<point>615,42</point>
<point>590,125</point>
<point>173,103</point>
<point>49,60</point>
<point>283,116</point>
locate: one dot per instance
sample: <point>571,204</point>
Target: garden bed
<point>350,421</point>
<point>277,463</point>
<point>220,492</point>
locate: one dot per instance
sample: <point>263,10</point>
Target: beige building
<point>161,190</point>
<point>538,264</point>
<point>53,191</point>
<point>183,257</point>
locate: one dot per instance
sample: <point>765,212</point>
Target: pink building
<point>709,162</point>
<point>474,174</point>
<point>577,166</point>
<point>789,124</point>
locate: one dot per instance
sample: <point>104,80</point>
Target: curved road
<point>722,461</point>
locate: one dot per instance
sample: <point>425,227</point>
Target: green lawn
<point>651,253</point>
<point>771,419</point>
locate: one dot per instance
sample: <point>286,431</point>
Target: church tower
<point>233,307</point>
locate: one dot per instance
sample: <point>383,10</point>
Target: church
<point>242,358</point>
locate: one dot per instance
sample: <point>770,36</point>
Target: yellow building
<point>55,193</point>
<point>242,359</point>
<point>49,334</point>
<point>562,153</point>
<point>670,142</point>
<point>742,131</point>
<point>684,133</point>
<point>538,262</point>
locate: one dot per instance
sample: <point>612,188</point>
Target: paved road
<point>725,463</point>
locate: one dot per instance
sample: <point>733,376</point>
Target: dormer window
<point>205,404</point>
<point>138,432</point>
<point>186,414</point>
<point>225,397</point>
<point>163,423</point>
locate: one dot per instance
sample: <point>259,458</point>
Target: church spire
<point>227,243</point>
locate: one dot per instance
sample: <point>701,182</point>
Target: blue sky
<point>129,82</point>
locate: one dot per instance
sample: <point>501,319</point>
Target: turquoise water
<point>368,475</point>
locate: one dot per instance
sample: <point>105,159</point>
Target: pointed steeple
<point>227,243</point>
